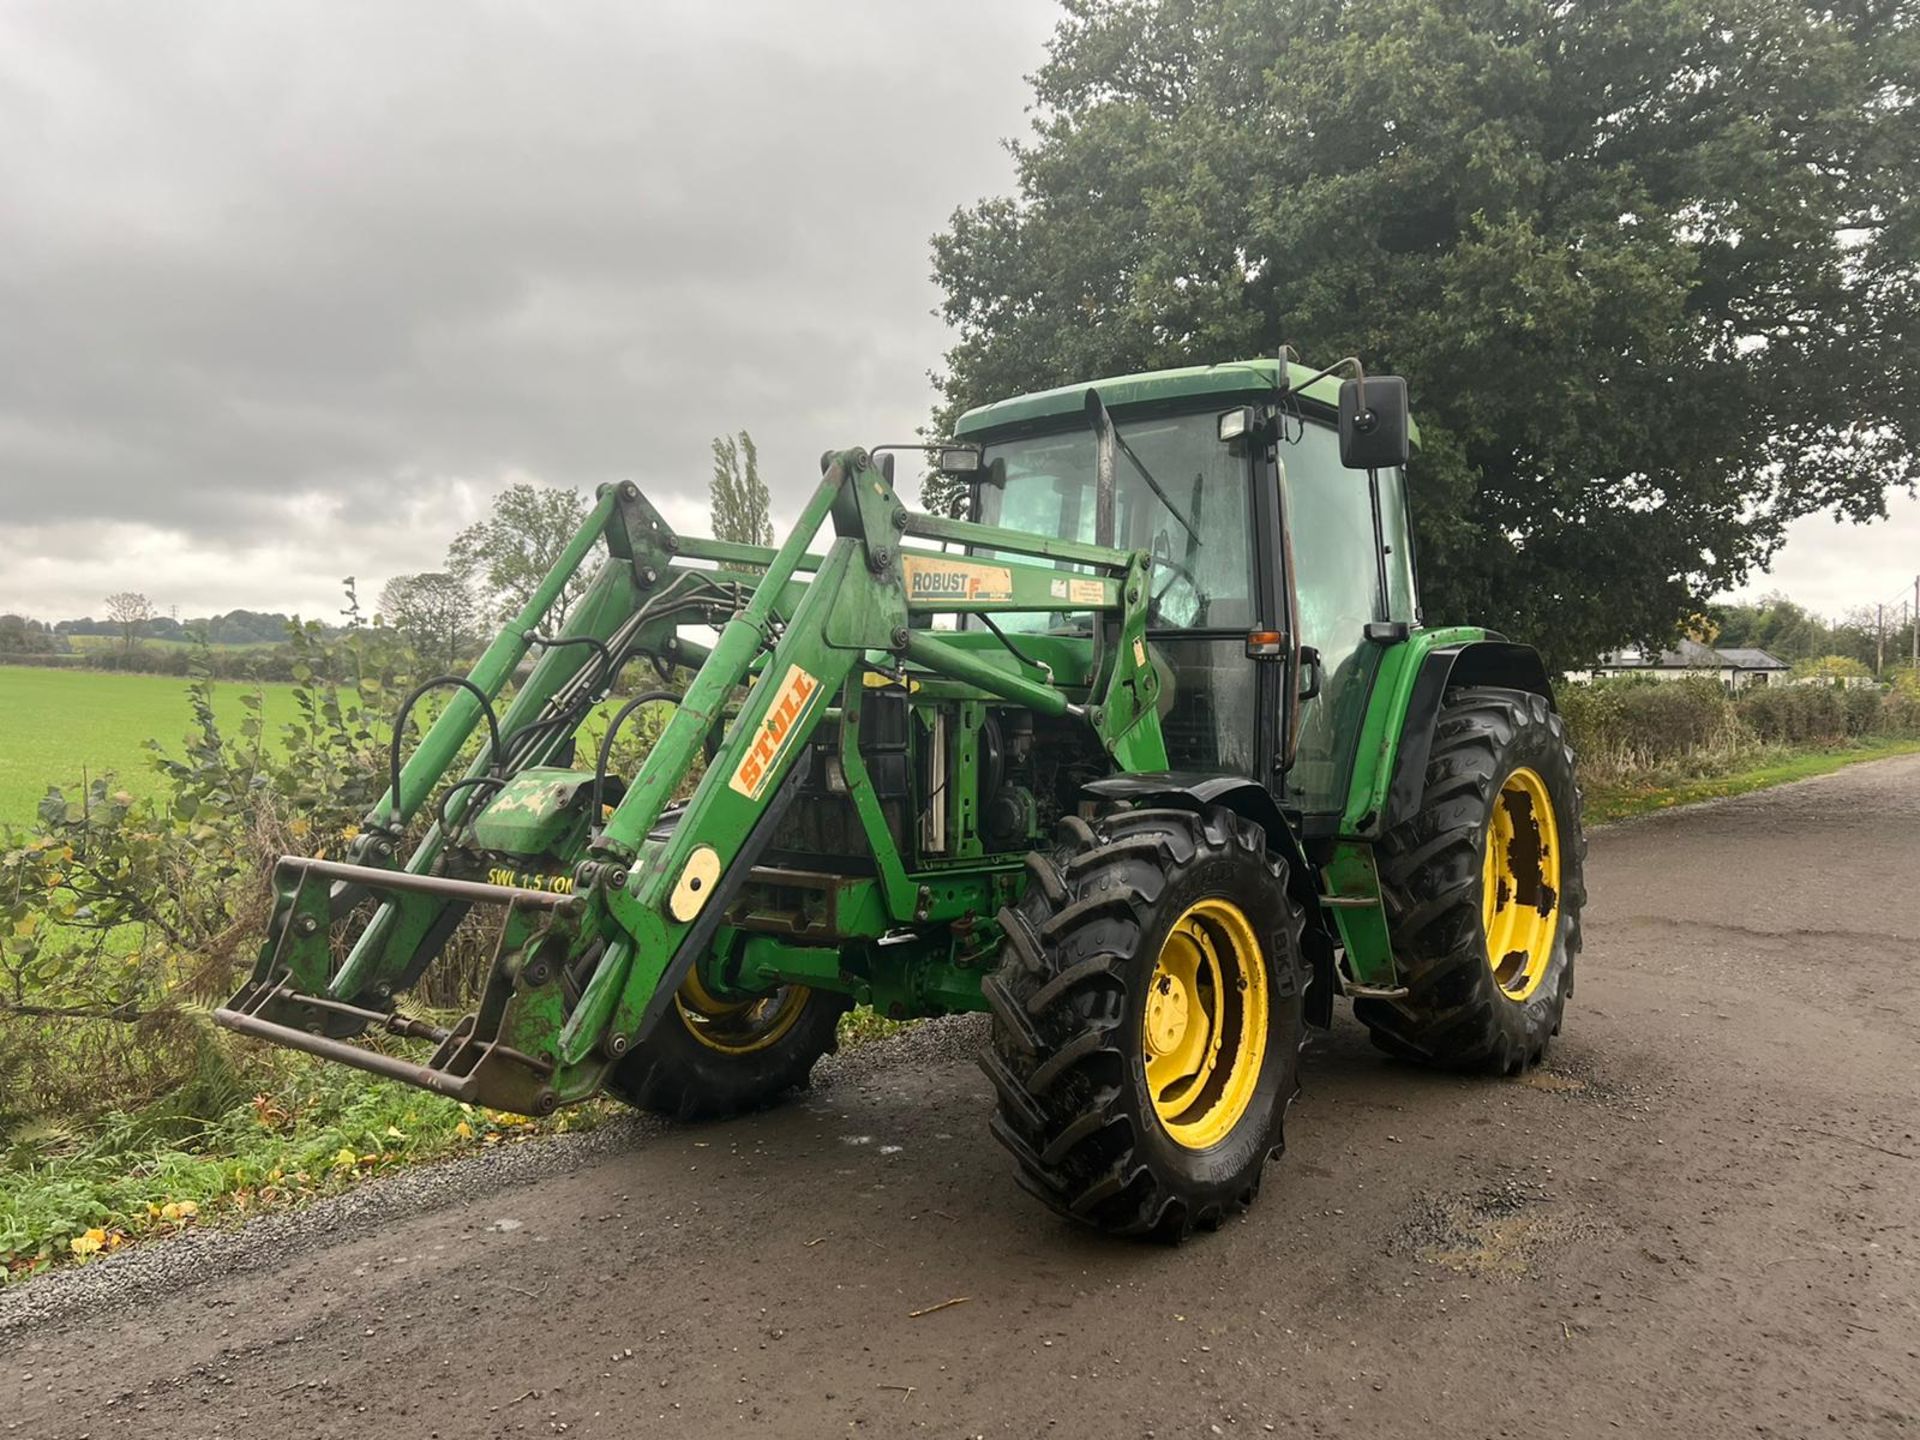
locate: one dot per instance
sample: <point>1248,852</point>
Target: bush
<point>1899,711</point>
<point>1863,706</point>
<point>123,916</point>
<point>1795,714</point>
<point>1634,725</point>
<point>1633,721</point>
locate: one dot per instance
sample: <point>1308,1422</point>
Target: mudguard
<point>1248,798</point>
<point>1493,661</point>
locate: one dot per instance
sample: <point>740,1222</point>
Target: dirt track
<point>1701,1219</point>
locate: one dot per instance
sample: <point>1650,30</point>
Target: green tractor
<point>1143,749</point>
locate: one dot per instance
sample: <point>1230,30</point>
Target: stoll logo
<point>789,704</point>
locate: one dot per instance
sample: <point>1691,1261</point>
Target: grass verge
<point>71,1194</point>
<point>1620,799</point>
<point>68,1196</point>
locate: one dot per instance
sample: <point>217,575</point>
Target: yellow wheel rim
<point>738,1027</point>
<point>1204,1031</point>
<point>1521,908</point>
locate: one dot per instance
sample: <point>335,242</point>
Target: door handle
<point>1310,675</point>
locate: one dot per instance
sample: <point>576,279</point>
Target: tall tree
<point>435,611</point>
<point>740,500</point>
<point>130,612</point>
<point>1784,629</point>
<point>22,636</point>
<point>507,555</point>
<point>1652,266</point>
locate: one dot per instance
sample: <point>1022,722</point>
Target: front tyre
<point>1147,1020</point>
<point>711,1056</point>
<point>1483,888</point>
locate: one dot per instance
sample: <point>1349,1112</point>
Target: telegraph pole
<point>1879,639</point>
<point>1914,616</point>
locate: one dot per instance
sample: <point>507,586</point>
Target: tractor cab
<point>1265,618</point>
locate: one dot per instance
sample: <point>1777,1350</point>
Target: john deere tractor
<point>1143,749</point>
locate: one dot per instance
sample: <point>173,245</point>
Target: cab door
<point>1335,538</point>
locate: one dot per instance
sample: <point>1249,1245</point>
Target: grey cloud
<point>361,252</point>
<point>286,290</point>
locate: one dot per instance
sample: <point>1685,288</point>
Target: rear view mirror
<point>1373,423</point>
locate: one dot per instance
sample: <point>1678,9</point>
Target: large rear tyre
<point>1483,889</point>
<point>1147,1020</point>
<point>710,1057</point>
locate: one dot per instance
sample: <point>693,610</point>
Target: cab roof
<point>1231,382</point>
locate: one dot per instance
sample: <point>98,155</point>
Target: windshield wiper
<point>1104,429</point>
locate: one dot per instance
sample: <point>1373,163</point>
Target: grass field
<point>57,724</point>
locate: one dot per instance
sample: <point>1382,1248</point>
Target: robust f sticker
<point>940,577</point>
<point>790,702</point>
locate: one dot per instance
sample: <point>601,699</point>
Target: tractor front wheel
<point>1147,1017</point>
<point>712,1056</point>
<point>1483,890</point>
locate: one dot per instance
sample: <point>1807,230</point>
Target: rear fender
<point>1493,662</point>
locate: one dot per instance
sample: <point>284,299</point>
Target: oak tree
<point>1651,266</point>
<point>505,556</point>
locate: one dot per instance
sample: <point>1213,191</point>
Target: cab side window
<point>1330,513</point>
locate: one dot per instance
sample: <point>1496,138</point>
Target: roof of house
<point>1692,655</point>
<point>1747,659</point>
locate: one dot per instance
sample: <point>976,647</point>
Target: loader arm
<point>586,960</point>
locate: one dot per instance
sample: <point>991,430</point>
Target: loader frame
<point>646,903</point>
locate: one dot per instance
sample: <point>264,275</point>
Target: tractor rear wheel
<point>1147,1020</point>
<point>1483,890</point>
<point>710,1056</point>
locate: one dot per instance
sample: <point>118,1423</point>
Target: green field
<point>56,725</point>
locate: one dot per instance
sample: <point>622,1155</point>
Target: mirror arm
<point>1359,372</point>
<point>1384,603</point>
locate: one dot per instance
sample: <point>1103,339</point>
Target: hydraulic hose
<point>606,744</point>
<point>396,818</point>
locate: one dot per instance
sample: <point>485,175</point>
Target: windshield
<point>1196,527</point>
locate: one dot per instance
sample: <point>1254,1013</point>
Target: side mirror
<point>1373,423</point>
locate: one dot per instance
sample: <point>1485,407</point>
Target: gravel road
<point>1702,1218</point>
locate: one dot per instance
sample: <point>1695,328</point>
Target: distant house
<point>1736,668</point>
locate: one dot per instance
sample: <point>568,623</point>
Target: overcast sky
<point>287,292</point>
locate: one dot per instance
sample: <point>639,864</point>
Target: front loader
<point>1145,751</point>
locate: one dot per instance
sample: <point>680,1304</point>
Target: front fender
<point>1252,800</point>
<point>1192,790</point>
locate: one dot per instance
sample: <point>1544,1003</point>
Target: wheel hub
<point>1203,1030</point>
<point>1168,1010</point>
<point>738,1026</point>
<point>1521,902</point>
